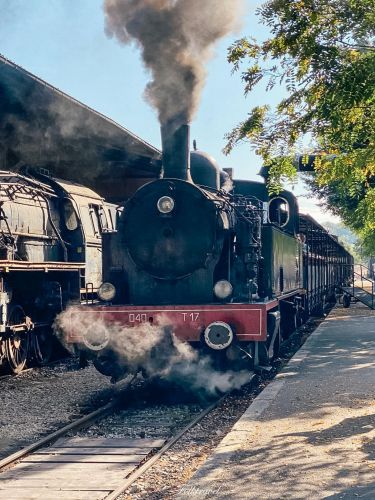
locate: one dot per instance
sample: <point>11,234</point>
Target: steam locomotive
<point>229,268</point>
<point>50,254</point>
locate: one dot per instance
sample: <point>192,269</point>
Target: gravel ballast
<point>40,401</point>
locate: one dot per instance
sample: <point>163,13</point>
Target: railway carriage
<point>327,264</point>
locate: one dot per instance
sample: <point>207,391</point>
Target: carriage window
<point>278,211</point>
<point>70,216</point>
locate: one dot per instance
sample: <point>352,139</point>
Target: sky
<point>64,43</point>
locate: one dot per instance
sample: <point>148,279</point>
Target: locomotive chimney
<point>175,139</point>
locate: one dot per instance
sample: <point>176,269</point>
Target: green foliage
<point>323,52</point>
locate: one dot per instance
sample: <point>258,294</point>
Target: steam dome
<point>204,169</point>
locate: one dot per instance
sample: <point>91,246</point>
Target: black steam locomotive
<point>231,269</point>
<point>50,254</point>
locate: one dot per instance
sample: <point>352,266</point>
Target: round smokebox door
<point>170,245</point>
<point>218,335</point>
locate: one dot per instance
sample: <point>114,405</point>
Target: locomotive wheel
<point>41,347</point>
<point>239,357</point>
<point>263,354</point>
<point>299,317</point>
<point>17,345</point>
<point>288,325</point>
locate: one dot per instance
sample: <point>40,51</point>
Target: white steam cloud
<point>153,350</point>
<point>176,38</point>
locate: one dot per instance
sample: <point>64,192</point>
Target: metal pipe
<point>175,138</point>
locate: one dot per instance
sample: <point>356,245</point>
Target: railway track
<point>102,454</point>
<point>78,463</point>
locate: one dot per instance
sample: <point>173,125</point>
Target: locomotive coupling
<point>218,335</point>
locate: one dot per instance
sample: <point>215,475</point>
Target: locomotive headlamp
<point>223,289</point>
<point>165,204</point>
<point>106,291</point>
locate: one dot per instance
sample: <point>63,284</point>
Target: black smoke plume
<point>176,38</point>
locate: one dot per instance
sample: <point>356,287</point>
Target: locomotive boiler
<point>184,247</point>
<point>50,255</point>
<point>220,261</point>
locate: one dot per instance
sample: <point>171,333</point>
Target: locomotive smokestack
<point>175,139</point>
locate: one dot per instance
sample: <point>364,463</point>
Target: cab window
<point>278,211</point>
<point>95,219</point>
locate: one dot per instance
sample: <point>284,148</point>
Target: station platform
<point>311,433</point>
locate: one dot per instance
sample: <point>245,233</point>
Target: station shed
<point>42,127</point>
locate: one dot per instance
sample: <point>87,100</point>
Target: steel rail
<point>95,415</point>
<point>134,475</point>
<point>81,422</point>
<point>77,424</point>
<point>35,369</point>
<point>6,376</point>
